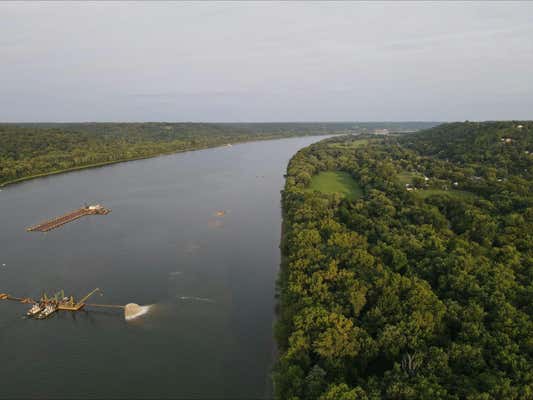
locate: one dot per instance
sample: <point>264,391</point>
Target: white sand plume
<point>132,311</point>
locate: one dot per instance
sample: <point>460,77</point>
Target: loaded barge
<point>54,223</point>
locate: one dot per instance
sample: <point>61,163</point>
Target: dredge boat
<point>46,305</point>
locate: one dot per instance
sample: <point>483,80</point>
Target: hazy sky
<point>266,61</point>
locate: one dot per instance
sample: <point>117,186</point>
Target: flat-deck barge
<point>54,223</point>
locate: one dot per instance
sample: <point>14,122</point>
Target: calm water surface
<point>210,279</point>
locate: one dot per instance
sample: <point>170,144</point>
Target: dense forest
<point>28,150</point>
<point>419,285</point>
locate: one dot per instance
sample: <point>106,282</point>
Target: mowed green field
<point>336,182</point>
<point>407,177</point>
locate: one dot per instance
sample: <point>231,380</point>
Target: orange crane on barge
<point>54,223</point>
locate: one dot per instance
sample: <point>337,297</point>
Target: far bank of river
<point>221,143</point>
<point>209,278</point>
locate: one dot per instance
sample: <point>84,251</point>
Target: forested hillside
<point>419,287</point>
<point>27,150</point>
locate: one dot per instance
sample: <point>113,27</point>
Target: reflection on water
<point>192,248</point>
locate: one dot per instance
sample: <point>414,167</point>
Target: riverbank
<point>105,163</point>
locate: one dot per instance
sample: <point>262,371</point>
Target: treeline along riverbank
<point>32,150</point>
<point>417,285</point>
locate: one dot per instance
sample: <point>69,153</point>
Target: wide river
<point>210,279</point>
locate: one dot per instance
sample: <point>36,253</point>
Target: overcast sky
<point>266,61</point>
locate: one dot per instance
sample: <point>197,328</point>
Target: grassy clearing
<point>336,182</point>
<point>407,177</point>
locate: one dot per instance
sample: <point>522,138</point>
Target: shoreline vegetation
<point>34,150</point>
<point>419,288</point>
<point>105,163</point>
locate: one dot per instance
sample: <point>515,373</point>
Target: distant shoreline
<point>105,163</point>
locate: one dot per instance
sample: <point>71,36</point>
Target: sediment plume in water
<point>215,223</point>
<point>132,311</point>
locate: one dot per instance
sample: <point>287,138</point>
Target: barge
<point>54,223</point>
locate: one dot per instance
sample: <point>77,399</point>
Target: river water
<point>210,279</point>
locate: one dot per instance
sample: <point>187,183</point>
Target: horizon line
<point>237,122</point>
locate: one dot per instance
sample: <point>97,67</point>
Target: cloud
<point>263,60</point>
<point>422,43</point>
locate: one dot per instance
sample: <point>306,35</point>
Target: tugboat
<point>34,310</point>
<point>49,309</point>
